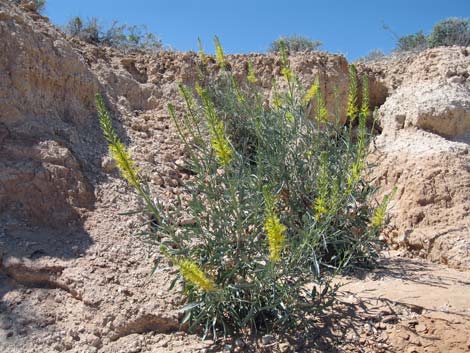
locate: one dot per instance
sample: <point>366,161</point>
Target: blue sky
<point>352,28</point>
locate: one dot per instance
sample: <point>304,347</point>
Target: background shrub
<point>117,35</point>
<point>452,31</point>
<point>294,43</point>
<point>280,202</point>
<point>375,54</point>
<point>417,41</point>
<point>448,32</point>
<point>88,31</point>
<point>39,5</point>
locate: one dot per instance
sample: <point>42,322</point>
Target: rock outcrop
<point>424,152</point>
<point>46,110</point>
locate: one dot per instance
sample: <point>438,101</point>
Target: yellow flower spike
<point>238,93</point>
<point>355,173</point>
<point>352,109</point>
<point>320,207</point>
<point>219,142</point>
<point>194,275</point>
<point>220,145</point>
<point>310,93</point>
<point>219,53</point>
<point>277,102</point>
<point>287,73</point>
<point>199,89</point>
<point>222,149</point>
<point>201,52</point>
<point>290,117</point>
<point>118,151</point>
<point>284,54</point>
<point>379,216</point>
<point>251,74</point>
<point>274,229</point>
<point>125,163</point>
<point>275,233</point>
<point>322,112</point>
<point>365,97</point>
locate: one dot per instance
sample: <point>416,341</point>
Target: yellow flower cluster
<point>251,74</point>
<point>378,218</point>
<point>314,91</point>
<point>290,117</point>
<point>219,53</point>
<point>365,97</point>
<point>220,145</point>
<point>117,149</point>
<point>202,54</point>
<point>322,112</point>
<point>125,163</point>
<point>310,93</point>
<point>194,275</point>
<point>275,233</point>
<point>277,101</point>
<point>320,206</point>
<point>287,73</point>
<point>274,229</point>
<point>219,142</point>
<point>352,96</point>
<point>355,173</point>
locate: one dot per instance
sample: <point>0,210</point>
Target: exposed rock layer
<point>424,152</point>
<point>46,107</point>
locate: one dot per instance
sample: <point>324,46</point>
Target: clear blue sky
<point>349,27</point>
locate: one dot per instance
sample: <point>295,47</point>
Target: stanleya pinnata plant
<point>279,199</point>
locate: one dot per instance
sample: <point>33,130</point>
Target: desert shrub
<point>451,31</point>
<point>131,38</point>
<point>39,5</point>
<point>448,32</point>
<point>373,55</point>
<point>294,43</point>
<point>417,41</point>
<point>86,30</point>
<point>279,202</point>
<point>117,35</point>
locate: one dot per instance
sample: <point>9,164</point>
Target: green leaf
<point>189,307</point>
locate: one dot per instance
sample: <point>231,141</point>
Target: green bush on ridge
<point>451,31</point>
<point>280,201</point>
<point>448,32</point>
<point>373,55</point>
<point>294,43</point>
<point>417,41</point>
<point>117,35</point>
